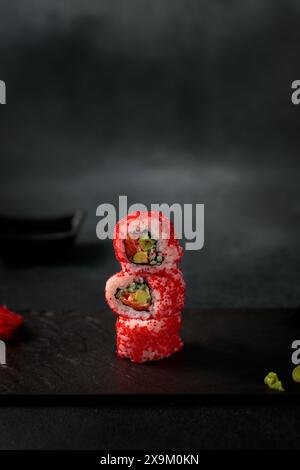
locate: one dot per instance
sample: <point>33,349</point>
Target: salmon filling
<point>143,250</point>
<point>137,296</point>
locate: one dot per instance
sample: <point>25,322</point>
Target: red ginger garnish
<point>9,322</point>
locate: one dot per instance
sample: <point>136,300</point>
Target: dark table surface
<point>186,104</point>
<point>70,357</point>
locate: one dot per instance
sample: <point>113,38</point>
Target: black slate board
<point>227,354</point>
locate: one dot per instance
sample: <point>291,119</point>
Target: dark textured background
<point>165,101</point>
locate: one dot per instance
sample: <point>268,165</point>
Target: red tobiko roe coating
<point>145,340</point>
<point>163,223</point>
<point>9,322</point>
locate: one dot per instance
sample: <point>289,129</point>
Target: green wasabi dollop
<point>273,382</point>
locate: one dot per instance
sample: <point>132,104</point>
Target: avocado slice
<point>146,243</point>
<point>142,297</point>
<point>140,257</point>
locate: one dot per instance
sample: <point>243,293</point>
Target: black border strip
<point>187,400</point>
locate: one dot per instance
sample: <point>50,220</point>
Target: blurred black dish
<point>39,238</point>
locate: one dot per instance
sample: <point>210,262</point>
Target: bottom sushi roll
<point>148,340</point>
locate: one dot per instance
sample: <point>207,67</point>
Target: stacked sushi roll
<point>148,294</point>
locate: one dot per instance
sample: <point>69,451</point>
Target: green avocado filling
<point>144,250</point>
<point>141,296</point>
<point>141,257</point>
<point>146,242</point>
<point>136,294</point>
<point>273,382</point>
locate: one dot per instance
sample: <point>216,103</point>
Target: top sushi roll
<point>146,242</point>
